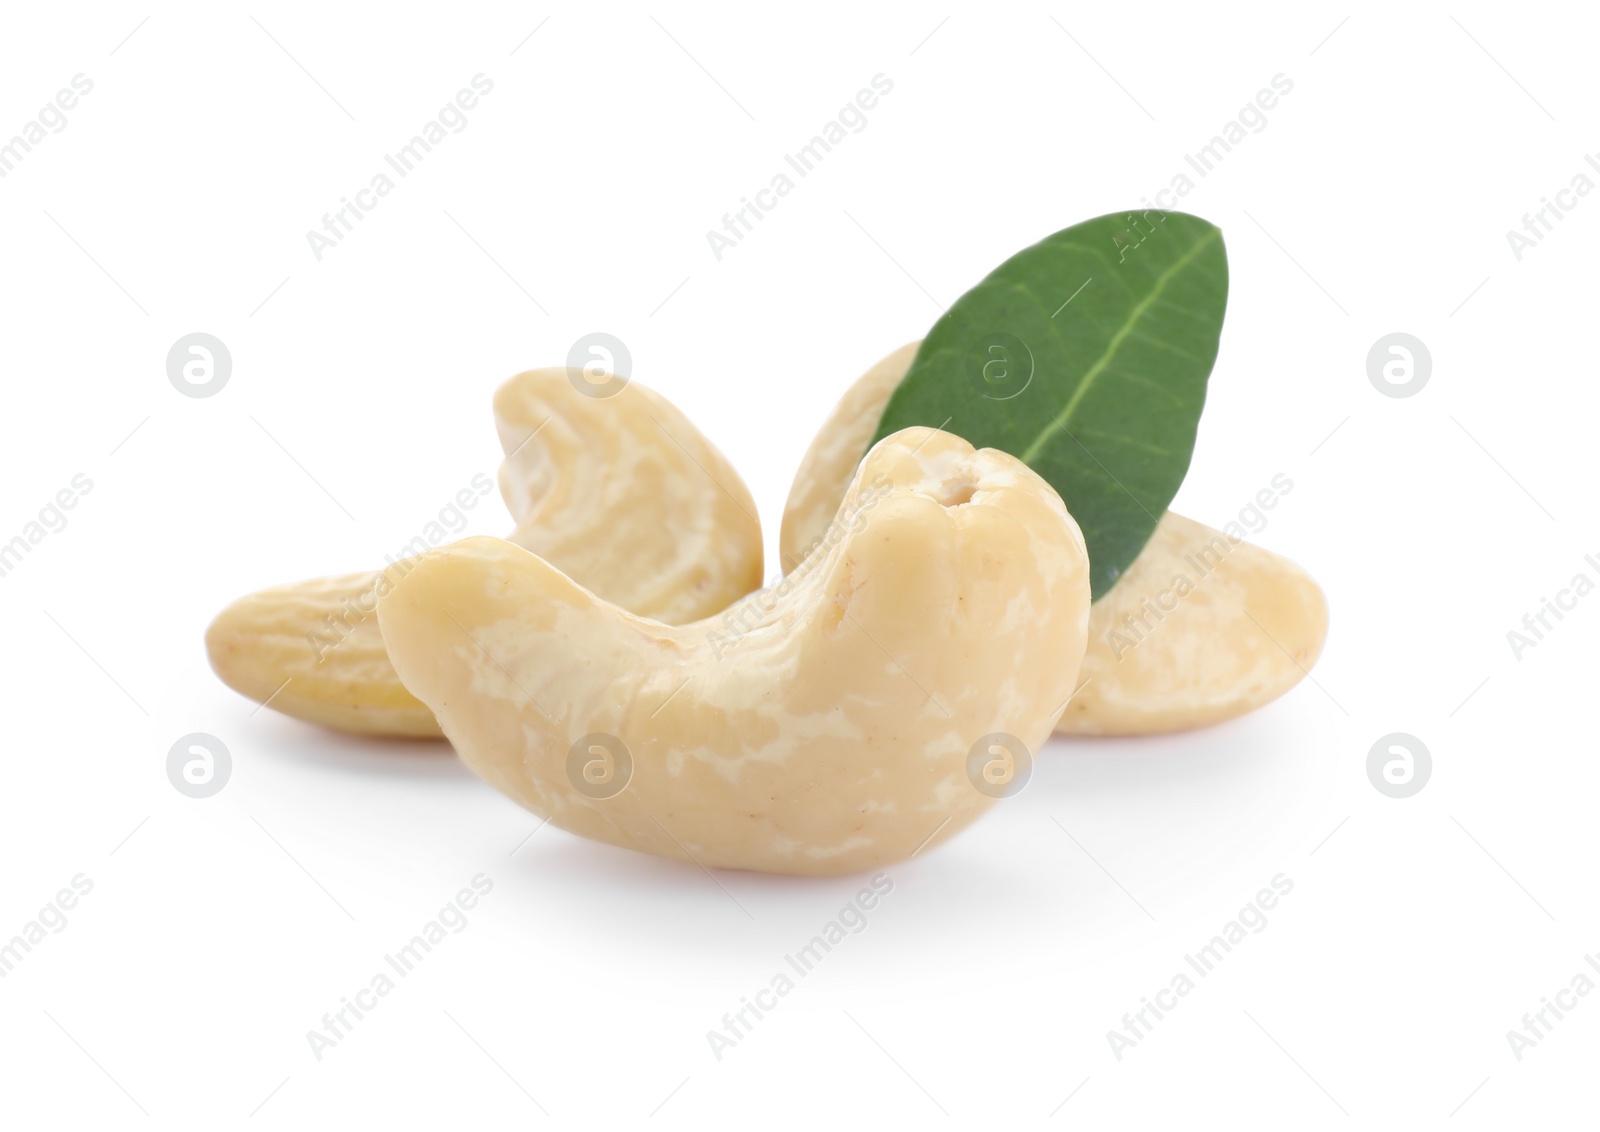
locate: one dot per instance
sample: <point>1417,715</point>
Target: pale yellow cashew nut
<point>1240,629</point>
<point>826,725</point>
<point>1248,626</point>
<point>620,491</point>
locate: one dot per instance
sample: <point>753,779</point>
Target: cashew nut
<point>1199,630</point>
<point>823,726</point>
<point>620,491</point>
<point>1247,627</point>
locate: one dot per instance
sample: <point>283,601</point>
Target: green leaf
<point>1086,356</point>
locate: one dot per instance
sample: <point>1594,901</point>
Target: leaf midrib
<point>1061,420</point>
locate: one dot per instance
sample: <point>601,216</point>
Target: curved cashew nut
<point>1199,630</point>
<point>622,492</point>
<point>823,726</point>
<point>1244,626</point>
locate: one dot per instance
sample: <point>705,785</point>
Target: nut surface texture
<point>1199,630</point>
<point>622,492</point>
<point>826,725</point>
<point>1247,628</point>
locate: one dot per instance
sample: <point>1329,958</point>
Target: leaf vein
<point>1062,419</point>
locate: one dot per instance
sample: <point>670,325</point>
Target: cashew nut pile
<point>611,666</point>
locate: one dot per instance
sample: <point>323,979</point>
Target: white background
<point>218,932</point>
